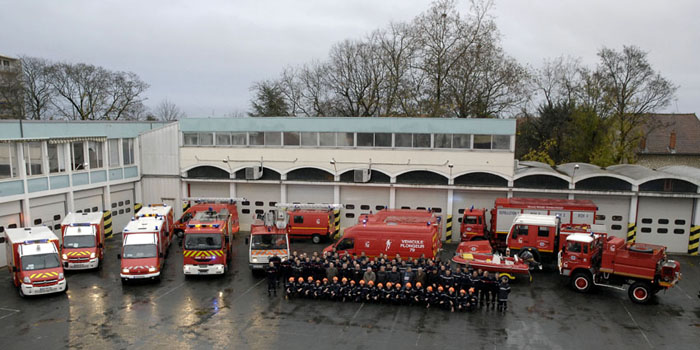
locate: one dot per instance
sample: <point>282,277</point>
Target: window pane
<point>421,140</point>
<point>461,141</point>
<point>346,139</point>
<point>273,138</point>
<point>382,140</point>
<point>309,139</point>
<point>443,141</point>
<point>365,139</point>
<point>95,153</point>
<point>482,141</point>
<point>206,139</point>
<point>402,140</point>
<point>191,139</point>
<point>223,139</point>
<point>78,156</point>
<point>128,151</point>
<point>327,139</point>
<point>32,158</point>
<point>257,138</point>
<point>57,159</point>
<point>501,142</point>
<point>113,149</point>
<point>291,138</point>
<point>238,139</point>
<point>8,160</point>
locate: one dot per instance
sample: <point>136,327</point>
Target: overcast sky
<point>204,55</point>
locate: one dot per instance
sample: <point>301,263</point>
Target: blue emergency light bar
<point>80,224</point>
<point>36,241</point>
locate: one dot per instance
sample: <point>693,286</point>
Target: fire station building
<point>50,168</point>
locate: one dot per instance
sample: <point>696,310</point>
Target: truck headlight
<point>125,270</point>
<point>60,276</point>
<point>92,255</point>
<point>27,280</point>
<point>65,257</point>
<point>151,269</point>
<point>255,259</point>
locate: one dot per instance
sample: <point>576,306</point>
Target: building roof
<point>659,129</point>
<point>28,130</point>
<point>328,124</point>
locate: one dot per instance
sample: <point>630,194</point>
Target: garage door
<point>613,212</point>
<point>462,200</point>
<point>88,201</point>
<point>9,218</point>
<point>418,198</point>
<point>665,221</point>
<point>309,194</point>
<point>48,211</point>
<point>260,198</point>
<point>209,189</point>
<point>121,208</point>
<point>360,200</point>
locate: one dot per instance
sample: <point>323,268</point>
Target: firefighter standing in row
<point>271,275</point>
<point>503,291</point>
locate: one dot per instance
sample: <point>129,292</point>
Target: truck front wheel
<point>581,282</point>
<point>316,238</point>
<point>640,292</point>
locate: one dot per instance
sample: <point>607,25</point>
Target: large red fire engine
<point>208,241</point>
<point>198,204</point>
<point>268,237</point>
<point>597,259</point>
<point>569,211</point>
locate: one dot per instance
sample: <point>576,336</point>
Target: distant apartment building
<point>10,68</point>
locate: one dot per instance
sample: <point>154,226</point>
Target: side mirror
<point>119,256</point>
<point>100,245</point>
<point>247,241</point>
<point>15,269</point>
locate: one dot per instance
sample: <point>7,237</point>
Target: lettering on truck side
<point>412,244</point>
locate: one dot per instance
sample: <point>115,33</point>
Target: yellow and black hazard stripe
<point>694,240</point>
<point>448,226</point>
<point>336,223</point>
<point>75,254</point>
<point>185,206</point>
<point>137,207</point>
<point>108,223</point>
<point>44,274</point>
<point>202,253</point>
<point>631,232</point>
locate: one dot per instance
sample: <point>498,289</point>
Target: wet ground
<point>234,311</point>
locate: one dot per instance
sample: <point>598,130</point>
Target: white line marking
<point>683,290</point>
<point>248,290</point>
<point>353,316</point>
<point>170,291</point>
<point>11,312</point>
<point>637,324</point>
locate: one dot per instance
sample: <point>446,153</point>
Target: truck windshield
<point>138,251</point>
<point>202,241</point>
<point>40,262</point>
<point>260,242</point>
<point>82,241</point>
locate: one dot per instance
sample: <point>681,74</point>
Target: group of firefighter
<point>425,282</point>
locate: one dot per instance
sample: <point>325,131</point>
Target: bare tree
<point>398,50</point>
<point>168,111</point>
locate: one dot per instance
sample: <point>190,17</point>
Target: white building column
<point>392,197</point>
<point>283,193</point>
<point>232,189</point>
<point>336,194</point>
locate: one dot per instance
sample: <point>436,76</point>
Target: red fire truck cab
<point>410,233</point>
<point>197,205</point>
<point>208,240</point>
<point>268,237</point>
<point>33,261</point>
<point>601,260</point>
<point>143,249</point>
<point>83,237</point>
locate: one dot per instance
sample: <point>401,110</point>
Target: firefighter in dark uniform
<point>408,293</point>
<point>325,289</point>
<point>418,294</point>
<point>489,288</point>
<point>440,296</point>
<point>449,299</point>
<point>299,287</point>
<point>309,287</point>
<point>462,300</point>
<point>318,290</point>
<point>350,291</point>
<point>503,291</point>
<point>388,291</point>
<point>289,288</point>
<point>377,293</point>
<point>271,274</point>
<point>286,269</point>
<point>369,292</point>
<point>429,297</point>
<point>472,301</point>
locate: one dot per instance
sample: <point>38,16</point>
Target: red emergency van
<point>83,236</point>
<point>33,261</point>
<point>143,249</point>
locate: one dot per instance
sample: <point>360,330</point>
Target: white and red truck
<point>163,211</point>
<point>82,244</point>
<point>33,261</point>
<point>143,249</point>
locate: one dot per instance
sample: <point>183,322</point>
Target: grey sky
<point>204,55</point>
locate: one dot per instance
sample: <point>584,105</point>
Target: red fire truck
<point>143,248</point>
<point>83,241</point>
<point>33,261</point>
<point>199,204</point>
<point>268,237</point>
<point>313,221</point>
<point>600,260</point>
<point>208,241</point>
<point>505,210</point>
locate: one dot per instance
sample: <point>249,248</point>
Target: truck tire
<point>581,282</point>
<point>640,292</point>
<point>21,293</point>
<point>316,238</point>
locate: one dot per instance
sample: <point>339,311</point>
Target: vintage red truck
<point>143,249</point>
<point>268,237</point>
<point>198,204</point>
<point>208,241</point>
<point>474,224</point>
<point>33,261</point>
<point>597,259</point>
<point>83,238</point>
<point>410,233</point>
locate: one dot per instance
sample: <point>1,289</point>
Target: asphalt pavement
<point>234,311</point>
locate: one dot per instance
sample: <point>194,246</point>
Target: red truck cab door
<point>544,237</point>
<point>345,245</point>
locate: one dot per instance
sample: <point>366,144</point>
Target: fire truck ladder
<point>308,206</point>
<point>217,200</point>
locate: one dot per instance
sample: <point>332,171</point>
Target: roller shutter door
<point>419,198</point>
<point>613,212</point>
<point>88,201</point>
<point>260,198</point>
<point>665,221</point>
<point>209,189</point>
<point>360,200</point>
<point>121,208</point>
<point>309,194</point>
<point>9,218</point>
<point>463,200</point>
<point>48,211</point>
